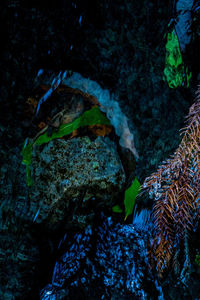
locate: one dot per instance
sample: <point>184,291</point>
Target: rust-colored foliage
<point>65,89</point>
<point>87,97</point>
<point>100,129</point>
<point>32,102</point>
<point>31,105</point>
<point>175,187</point>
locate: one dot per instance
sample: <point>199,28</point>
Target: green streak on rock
<point>130,196</point>
<point>117,209</point>
<point>175,70</point>
<point>90,117</point>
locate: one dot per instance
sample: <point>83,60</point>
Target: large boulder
<point>74,178</point>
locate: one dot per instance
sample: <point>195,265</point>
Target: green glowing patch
<point>117,209</point>
<point>175,73</point>
<point>29,179</point>
<point>27,154</point>
<point>90,117</point>
<point>130,196</point>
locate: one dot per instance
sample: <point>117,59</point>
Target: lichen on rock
<point>73,178</point>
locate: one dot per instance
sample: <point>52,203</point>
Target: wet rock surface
<point>73,179</point>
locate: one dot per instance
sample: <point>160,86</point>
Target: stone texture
<point>72,179</point>
<point>19,251</point>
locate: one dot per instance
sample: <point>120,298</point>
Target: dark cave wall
<point>119,44</point>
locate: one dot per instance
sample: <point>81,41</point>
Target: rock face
<point>19,251</point>
<point>74,178</point>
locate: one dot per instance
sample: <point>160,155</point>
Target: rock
<point>19,257</point>
<point>72,179</point>
<point>59,167</point>
<point>19,252</point>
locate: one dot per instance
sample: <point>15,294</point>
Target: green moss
<point>29,179</point>
<point>129,199</point>
<point>27,153</point>
<point>130,196</point>
<point>117,209</point>
<point>175,72</point>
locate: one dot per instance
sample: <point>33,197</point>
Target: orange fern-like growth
<point>175,187</point>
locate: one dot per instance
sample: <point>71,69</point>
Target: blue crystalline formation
<point>142,220</point>
<point>113,254</point>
